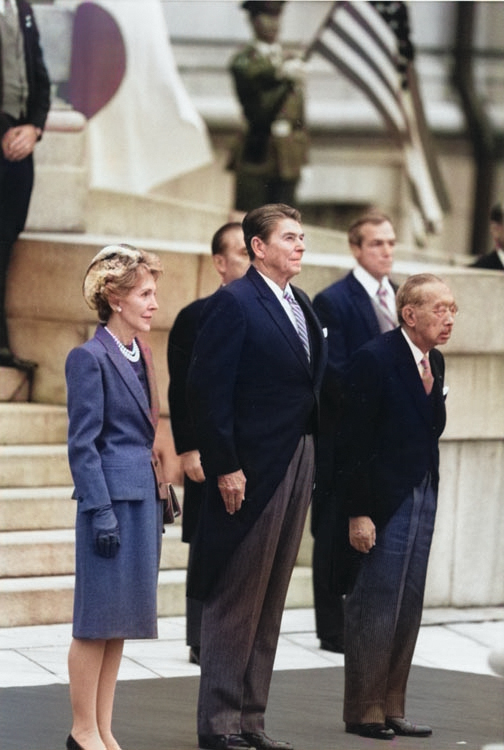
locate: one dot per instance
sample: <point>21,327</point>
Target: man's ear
<point>356,251</point>
<point>408,314</point>
<point>219,262</point>
<point>258,247</point>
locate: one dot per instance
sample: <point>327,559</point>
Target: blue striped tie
<point>300,322</point>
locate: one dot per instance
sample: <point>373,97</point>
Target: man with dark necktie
<point>354,310</point>
<point>253,389</point>
<point>393,416</point>
<point>24,104</point>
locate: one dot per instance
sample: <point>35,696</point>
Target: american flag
<point>369,43</point>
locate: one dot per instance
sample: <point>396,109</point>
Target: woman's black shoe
<point>72,744</point>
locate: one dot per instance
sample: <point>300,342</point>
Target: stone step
<point>34,466</point>
<point>25,508</point>
<point>48,600</point>
<point>51,552</point>
<point>28,423</point>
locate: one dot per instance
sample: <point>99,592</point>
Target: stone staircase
<point>37,519</point>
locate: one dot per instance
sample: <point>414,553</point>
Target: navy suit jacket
<point>111,425</point>
<point>254,394</point>
<point>391,427</point>
<point>347,312</point>
<point>180,347</point>
<point>490,260</point>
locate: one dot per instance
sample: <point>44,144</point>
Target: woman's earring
<point>119,309</point>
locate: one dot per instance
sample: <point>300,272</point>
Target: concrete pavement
<point>453,639</point>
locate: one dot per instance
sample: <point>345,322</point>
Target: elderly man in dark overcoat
<point>394,414</point>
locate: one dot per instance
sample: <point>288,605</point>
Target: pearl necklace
<point>133,354</point>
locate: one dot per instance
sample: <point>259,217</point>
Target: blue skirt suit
<point>112,423</point>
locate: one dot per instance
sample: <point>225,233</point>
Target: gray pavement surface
<point>452,687</point>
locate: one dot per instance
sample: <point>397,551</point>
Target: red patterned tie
<point>427,377</point>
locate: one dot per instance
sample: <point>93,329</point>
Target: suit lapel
<point>279,316</point>
<point>364,306</point>
<point>408,372</point>
<point>125,370</point>
<point>314,332</point>
<point>437,389</point>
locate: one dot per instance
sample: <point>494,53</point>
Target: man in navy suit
<point>231,260</point>
<point>354,310</point>
<point>253,386</point>
<point>394,414</point>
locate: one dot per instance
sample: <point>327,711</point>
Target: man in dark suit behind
<point>253,387</point>
<point>494,260</point>
<point>231,260</point>
<point>24,104</point>
<point>354,310</point>
<point>394,414</point>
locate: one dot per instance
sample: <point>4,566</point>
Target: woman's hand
<point>106,531</point>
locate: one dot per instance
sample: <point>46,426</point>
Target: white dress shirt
<point>279,294</point>
<point>371,285</point>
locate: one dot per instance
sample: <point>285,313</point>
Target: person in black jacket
<point>354,310</point>
<point>494,260</point>
<point>24,104</point>
<point>231,261</point>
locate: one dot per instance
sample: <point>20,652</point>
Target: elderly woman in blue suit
<point>113,412</point>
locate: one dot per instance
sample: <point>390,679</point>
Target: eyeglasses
<point>441,311</point>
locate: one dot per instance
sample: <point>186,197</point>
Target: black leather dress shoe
<point>261,741</point>
<point>334,646</point>
<point>72,744</point>
<point>405,728</point>
<point>373,730</point>
<point>223,742</point>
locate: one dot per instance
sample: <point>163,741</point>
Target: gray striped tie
<point>300,322</point>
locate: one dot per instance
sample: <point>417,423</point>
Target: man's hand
<point>18,142</point>
<point>362,533</point>
<point>232,489</point>
<point>191,465</point>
